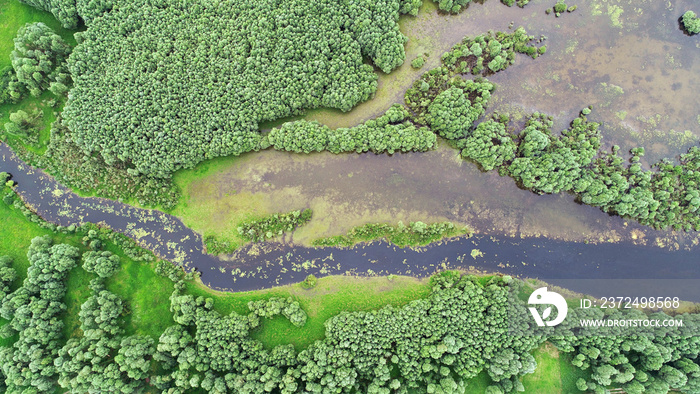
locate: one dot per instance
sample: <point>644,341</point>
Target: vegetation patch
<point>691,22</point>
<point>389,133</point>
<point>520,3</point>
<point>244,71</point>
<point>259,230</point>
<point>415,234</point>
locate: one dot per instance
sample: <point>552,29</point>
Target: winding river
<point>259,266</point>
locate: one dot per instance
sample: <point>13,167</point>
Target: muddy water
<point>266,265</point>
<point>626,57</point>
<point>349,190</point>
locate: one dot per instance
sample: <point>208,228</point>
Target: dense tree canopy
<point>489,145</point>
<point>389,133</point>
<point>197,79</point>
<point>490,52</point>
<point>101,360</point>
<point>64,10</point>
<point>39,59</point>
<point>34,311</point>
<point>452,113</point>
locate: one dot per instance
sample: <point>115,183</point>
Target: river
<point>258,266</point>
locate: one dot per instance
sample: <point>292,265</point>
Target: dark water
<point>260,266</point>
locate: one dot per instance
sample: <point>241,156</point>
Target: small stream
<point>258,266</point>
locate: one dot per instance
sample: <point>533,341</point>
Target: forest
<point>467,325</point>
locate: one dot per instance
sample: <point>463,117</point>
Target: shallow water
<point>258,266</point>
<point>627,58</point>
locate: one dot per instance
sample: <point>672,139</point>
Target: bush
<point>259,230</point>
<point>691,22</point>
<point>309,283</point>
<point>560,7</point>
<point>25,125</point>
<point>418,62</point>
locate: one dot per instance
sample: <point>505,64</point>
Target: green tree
<point>39,58</point>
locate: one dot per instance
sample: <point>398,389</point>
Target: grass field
<point>547,376</point>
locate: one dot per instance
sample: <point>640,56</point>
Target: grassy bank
<point>147,311</point>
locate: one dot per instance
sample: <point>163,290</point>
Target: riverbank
<point>264,265</point>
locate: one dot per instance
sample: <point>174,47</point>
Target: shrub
<point>310,282</point>
<point>691,22</point>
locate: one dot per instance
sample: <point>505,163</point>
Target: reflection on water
<point>626,57</point>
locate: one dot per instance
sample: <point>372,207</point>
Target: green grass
<point>16,233</point>
<point>479,384</point>
<point>570,374</point>
<point>554,373</point>
<point>398,235</point>
<point>29,104</point>
<point>331,296</point>
<point>547,376</point>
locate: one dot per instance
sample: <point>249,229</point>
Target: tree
<point>7,273</point>
<point>489,145</point>
<point>39,58</point>
<point>34,311</point>
<point>135,353</point>
<point>104,264</point>
<point>452,114</point>
<point>245,71</point>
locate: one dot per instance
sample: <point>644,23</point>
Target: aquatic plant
<point>258,230</point>
<point>415,234</point>
<point>520,3</point>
